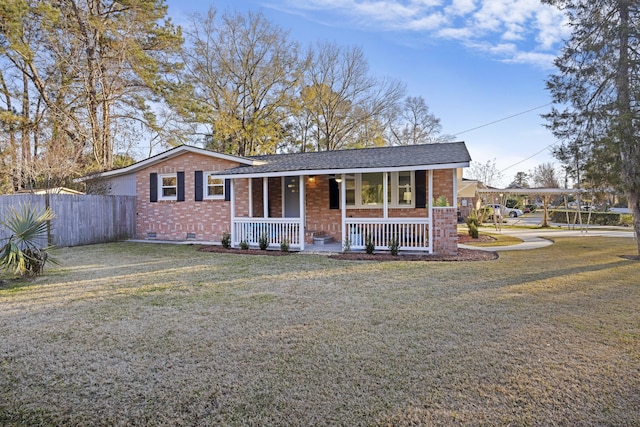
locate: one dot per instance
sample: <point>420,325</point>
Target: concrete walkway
<point>539,238</point>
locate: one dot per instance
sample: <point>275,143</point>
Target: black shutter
<point>421,189</point>
<point>334,194</point>
<point>227,190</point>
<point>153,187</point>
<point>180,186</point>
<point>199,188</point>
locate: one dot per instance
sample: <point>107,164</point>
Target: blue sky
<point>473,61</point>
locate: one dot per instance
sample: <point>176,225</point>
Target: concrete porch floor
<point>333,247</point>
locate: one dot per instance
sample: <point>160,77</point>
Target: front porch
<point>299,208</point>
<point>409,234</point>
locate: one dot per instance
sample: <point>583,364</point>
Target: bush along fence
<point>597,218</point>
<point>79,219</point>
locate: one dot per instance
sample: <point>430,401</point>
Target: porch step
<point>321,240</point>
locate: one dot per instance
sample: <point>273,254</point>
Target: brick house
<point>189,193</point>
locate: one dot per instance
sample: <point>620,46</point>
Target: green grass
<point>144,334</point>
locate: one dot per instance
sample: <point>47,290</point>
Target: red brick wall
<point>256,188</point>
<point>275,197</point>
<point>319,217</point>
<point>172,220</point>
<point>443,185</point>
<point>209,219</point>
<point>445,231</point>
<point>241,190</point>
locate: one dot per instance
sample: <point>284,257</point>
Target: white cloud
<point>531,30</point>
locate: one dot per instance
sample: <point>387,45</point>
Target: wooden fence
<point>79,220</point>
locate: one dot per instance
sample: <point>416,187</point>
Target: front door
<point>291,197</point>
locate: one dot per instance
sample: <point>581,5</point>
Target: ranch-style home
<point>386,194</point>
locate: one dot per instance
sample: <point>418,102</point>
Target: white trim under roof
<point>174,152</point>
<point>221,174</point>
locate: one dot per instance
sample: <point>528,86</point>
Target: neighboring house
<point>55,190</point>
<point>188,193</point>
<point>467,195</point>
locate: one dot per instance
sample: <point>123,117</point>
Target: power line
<point>504,118</point>
<point>524,160</point>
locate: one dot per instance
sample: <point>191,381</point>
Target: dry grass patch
<point>142,334</point>
<point>493,239</point>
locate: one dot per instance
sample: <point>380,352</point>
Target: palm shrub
<point>472,223</point>
<point>21,253</point>
<point>473,230</point>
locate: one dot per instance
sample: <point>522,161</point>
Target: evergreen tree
<point>597,85</point>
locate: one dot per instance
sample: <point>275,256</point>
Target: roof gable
<point>174,152</point>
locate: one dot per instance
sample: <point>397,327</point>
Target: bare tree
<point>487,173</point>
<point>244,72</point>
<point>544,175</point>
<point>415,124</point>
<point>342,98</point>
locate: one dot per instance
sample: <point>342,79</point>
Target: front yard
<point>144,334</point>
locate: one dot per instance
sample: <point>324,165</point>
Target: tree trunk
<point>625,128</point>
<point>26,134</point>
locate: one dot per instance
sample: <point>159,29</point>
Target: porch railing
<point>410,233</point>
<point>276,231</point>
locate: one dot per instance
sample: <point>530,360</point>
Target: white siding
<point>124,185</point>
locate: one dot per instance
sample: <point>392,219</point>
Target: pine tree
<point>597,83</point>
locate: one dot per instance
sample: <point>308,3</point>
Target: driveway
<point>539,238</point>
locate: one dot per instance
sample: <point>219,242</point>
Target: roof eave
<point>334,171</point>
<point>177,151</point>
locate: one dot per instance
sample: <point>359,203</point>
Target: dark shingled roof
<point>364,158</point>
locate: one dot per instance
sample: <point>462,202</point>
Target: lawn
<point>144,334</point>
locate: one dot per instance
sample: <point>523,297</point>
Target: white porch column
<point>265,197</point>
<point>232,208</point>
<point>250,197</point>
<point>385,189</point>
<point>430,211</point>
<point>301,192</point>
<point>455,189</point>
<point>343,208</point>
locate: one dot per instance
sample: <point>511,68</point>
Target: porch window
<point>405,188</point>
<point>371,189</point>
<point>366,190</point>
<point>215,187</point>
<point>350,184</point>
<point>168,184</point>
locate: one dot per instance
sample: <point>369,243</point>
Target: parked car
<point>504,211</point>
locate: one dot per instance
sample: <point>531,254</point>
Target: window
<point>215,188</point>
<point>350,184</point>
<point>367,189</point>
<point>168,185</point>
<point>371,189</point>
<point>405,189</point>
